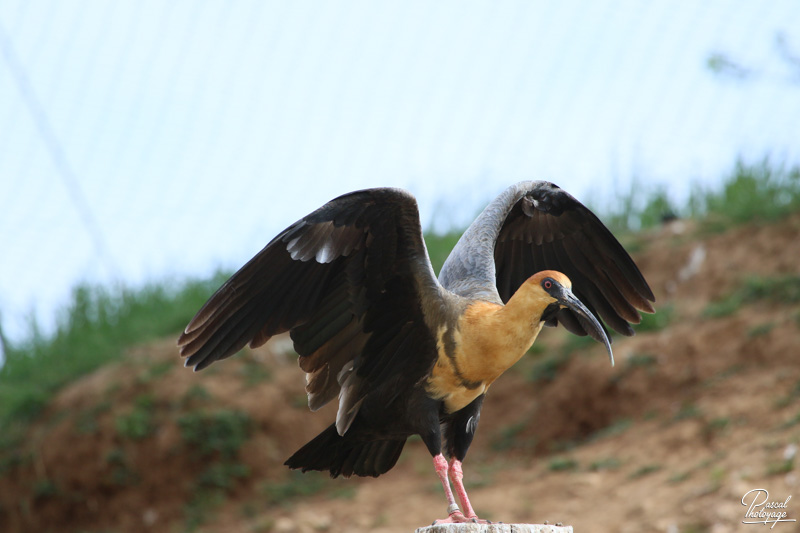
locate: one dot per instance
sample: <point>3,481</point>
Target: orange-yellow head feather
<point>536,291</point>
<point>549,288</point>
<point>537,278</point>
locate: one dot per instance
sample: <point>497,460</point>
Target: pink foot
<point>459,518</point>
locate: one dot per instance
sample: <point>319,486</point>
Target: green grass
<point>95,328</point>
<point>645,470</point>
<point>121,473</point>
<point>86,420</point>
<point>794,394</point>
<point>254,372</point>
<point>617,427</point>
<point>609,463</point>
<point>761,330</point>
<point>137,423</point>
<point>781,290</point>
<point>221,433</point>
<point>641,360</point>
<point>688,410</point>
<point>791,422</point>
<point>214,439</point>
<point>562,464</point>
<point>638,208</point>
<point>656,321</point>
<point>44,488</point>
<point>719,424</point>
<point>223,475</point>
<point>200,506</point>
<point>304,485</point>
<point>439,247</point>
<point>155,371</point>
<point>195,396</point>
<point>510,438</point>
<point>761,191</point>
<point>546,369</point>
<point>680,477</point>
<point>783,466</point>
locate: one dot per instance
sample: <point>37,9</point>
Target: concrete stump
<point>495,528</point>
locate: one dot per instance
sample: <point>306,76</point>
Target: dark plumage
<point>406,353</point>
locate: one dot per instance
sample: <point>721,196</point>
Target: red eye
<point>548,284</point>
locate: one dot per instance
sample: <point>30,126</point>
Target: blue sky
<point>147,140</point>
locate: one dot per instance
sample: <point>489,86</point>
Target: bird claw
<point>458,517</point>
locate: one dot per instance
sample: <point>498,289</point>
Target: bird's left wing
<point>353,284</point>
<point>534,226</point>
<point>548,229</point>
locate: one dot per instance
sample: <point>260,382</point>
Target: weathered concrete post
<point>495,528</point>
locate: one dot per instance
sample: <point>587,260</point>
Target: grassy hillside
<point>101,322</point>
<point>108,388</point>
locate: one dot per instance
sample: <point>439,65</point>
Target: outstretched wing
<point>351,281</point>
<point>535,226</point>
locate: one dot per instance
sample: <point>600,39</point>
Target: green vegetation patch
<point>657,321</point>
<point>253,371</point>
<point>641,360</point>
<point>510,437</point>
<point>195,396</point>
<point>618,427</point>
<point>440,246</point>
<point>645,470</point>
<point>562,464</point>
<point>783,466</point>
<point>95,328</point>
<point>305,485</point>
<point>680,477</point>
<point>223,475</point>
<point>215,439</point>
<point>45,488</point>
<point>121,473</point>
<point>759,191</point>
<point>155,371</point>
<point>638,209</point>
<point>138,423</point>
<point>86,420</point>
<point>547,369</point>
<point>221,433</point>
<point>782,290</point>
<point>609,463</point>
<point>688,410</point>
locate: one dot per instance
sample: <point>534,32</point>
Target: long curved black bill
<point>566,298</point>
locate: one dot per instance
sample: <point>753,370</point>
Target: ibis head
<point>553,291</point>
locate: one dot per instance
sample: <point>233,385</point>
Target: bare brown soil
<point>693,416</point>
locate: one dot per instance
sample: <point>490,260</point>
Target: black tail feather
<point>347,455</point>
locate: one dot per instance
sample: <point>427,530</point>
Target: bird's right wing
<point>353,284</point>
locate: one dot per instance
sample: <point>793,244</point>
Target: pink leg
<point>458,475</point>
<point>454,513</point>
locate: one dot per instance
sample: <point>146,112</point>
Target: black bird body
<point>406,353</point>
